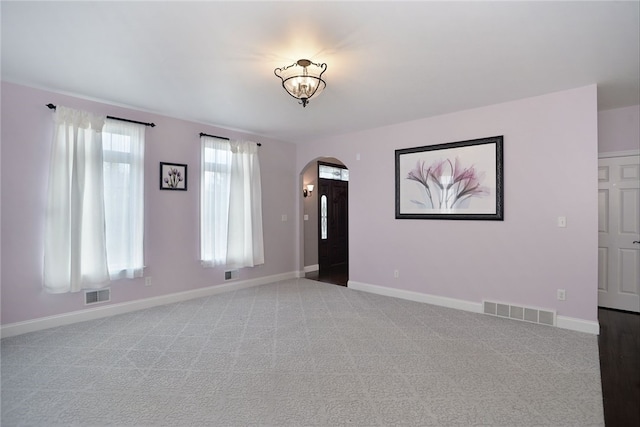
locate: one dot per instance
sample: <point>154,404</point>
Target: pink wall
<point>550,152</point>
<point>619,129</point>
<point>550,169</point>
<point>171,218</point>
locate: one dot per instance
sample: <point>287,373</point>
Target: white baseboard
<point>310,268</point>
<point>417,296</point>
<point>564,322</point>
<point>42,323</point>
<point>39,324</point>
<point>579,325</point>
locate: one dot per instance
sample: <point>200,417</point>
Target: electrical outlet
<point>147,281</point>
<point>562,295</point>
<point>396,273</point>
<point>562,221</point>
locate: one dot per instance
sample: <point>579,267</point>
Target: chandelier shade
<point>302,79</point>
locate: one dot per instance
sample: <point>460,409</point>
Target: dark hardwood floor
<point>337,276</point>
<point>619,343</point>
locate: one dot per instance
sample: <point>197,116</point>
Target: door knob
<point>636,242</point>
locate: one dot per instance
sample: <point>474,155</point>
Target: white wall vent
<point>97,296</point>
<point>526,314</point>
<point>231,275</point>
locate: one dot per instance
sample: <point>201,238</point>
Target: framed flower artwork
<point>456,180</point>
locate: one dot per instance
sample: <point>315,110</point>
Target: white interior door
<point>619,233</point>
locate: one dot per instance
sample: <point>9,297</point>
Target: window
<point>95,202</point>
<point>332,172</point>
<point>323,218</point>
<point>230,204</point>
<point>214,200</point>
<point>123,169</point>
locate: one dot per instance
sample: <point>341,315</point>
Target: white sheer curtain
<point>75,242</point>
<point>123,149</point>
<point>230,204</point>
<point>245,246</point>
<point>215,167</point>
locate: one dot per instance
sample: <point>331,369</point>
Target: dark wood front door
<point>333,235</point>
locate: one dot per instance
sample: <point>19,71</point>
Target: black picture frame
<point>461,180</point>
<point>173,176</point>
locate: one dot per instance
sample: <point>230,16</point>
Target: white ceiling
<point>388,62</point>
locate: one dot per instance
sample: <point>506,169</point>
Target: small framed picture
<point>173,176</point>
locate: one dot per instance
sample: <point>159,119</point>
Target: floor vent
<point>526,314</point>
<point>231,274</point>
<point>97,296</point>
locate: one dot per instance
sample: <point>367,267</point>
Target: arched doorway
<point>325,221</point>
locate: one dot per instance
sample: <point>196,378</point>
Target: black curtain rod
<point>53,107</point>
<point>222,137</point>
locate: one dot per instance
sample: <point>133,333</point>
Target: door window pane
<point>323,217</point>
<point>332,172</point>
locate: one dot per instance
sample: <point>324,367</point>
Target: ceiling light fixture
<point>302,80</point>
